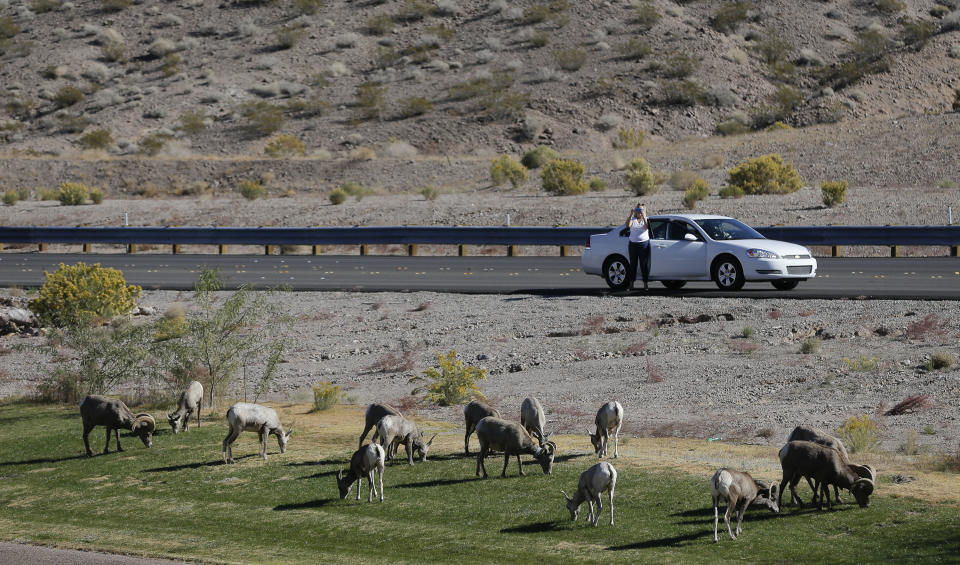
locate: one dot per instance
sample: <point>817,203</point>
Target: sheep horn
<point>145,419</point>
<point>431,439</point>
<point>565,495</point>
<point>869,486</point>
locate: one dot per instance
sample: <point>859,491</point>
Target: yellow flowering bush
<point>82,293</point>
<point>859,433</point>
<point>451,382</point>
<point>767,174</point>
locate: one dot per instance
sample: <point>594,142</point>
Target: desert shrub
<point>412,106</point>
<point>75,294</point>
<point>682,180</point>
<point>171,325</point>
<point>115,5</point>
<point>767,174</point>
<point>778,126</point>
<point>370,101</point>
<point>10,197</point>
<point>869,54</point>
<point>570,59</point>
<point>810,345</point>
<point>834,192</point>
<point>682,92</point>
<point>635,49</point>
<point>859,433</point>
<point>285,146</point>
<point>450,382</point>
<point>917,33</point>
<point>563,176</point>
<point>629,138</point>
<point>287,36</point>
<point>114,51</point>
<point>539,156</point>
<point>504,169</point>
<point>930,325</point>
<point>647,16</point>
<point>44,6</point>
<point>100,138</point>
<point>889,6</point>
<point>504,104</point>
<point>61,386</point>
<point>414,10</point>
<point>862,363</point>
<point>171,64</point>
<point>773,49</point>
<point>46,194</point>
<point>713,160</point>
<point>262,118</point>
<point>597,184</point>
<point>940,360</point>
<point>251,189</point>
<point>326,395</point>
<point>640,178</point>
<point>730,192</point>
<point>153,143</point>
<point>73,193</point>
<point>68,96</point>
<point>337,196</point>
<point>429,192</point>
<point>307,7</point>
<point>732,126</point>
<point>193,121</point>
<point>729,15</point>
<point>96,195</point>
<point>535,14</point>
<point>699,190</point>
<point>540,39</point>
<point>356,190</point>
<point>380,24</point>
<point>747,332</point>
<point>676,64</point>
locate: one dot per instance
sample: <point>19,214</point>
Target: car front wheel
<point>616,271</point>
<point>727,273</point>
<point>785,284</point>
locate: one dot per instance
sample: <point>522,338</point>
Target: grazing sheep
<point>739,490</point>
<point>191,400</point>
<point>396,430</point>
<point>826,466</point>
<point>532,417</point>
<point>114,415</point>
<point>242,417</point>
<point>601,477</point>
<point>363,463</point>
<point>816,435</point>
<point>609,417</point>
<point>473,413</point>
<point>511,439</point>
<point>373,415</point>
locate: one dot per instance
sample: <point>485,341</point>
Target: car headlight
<point>762,254</point>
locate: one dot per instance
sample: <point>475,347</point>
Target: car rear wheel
<point>727,273</point>
<point>616,271</point>
<point>674,285</point>
<point>785,284</point>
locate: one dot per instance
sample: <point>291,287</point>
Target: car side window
<point>691,230</point>
<point>658,229</point>
<point>677,231</point>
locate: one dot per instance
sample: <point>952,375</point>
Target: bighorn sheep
<point>253,418</point>
<point>511,439</point>
<point>601,477</point>
<point>816,435</point>
<point>532,417</point>
<point>739,490</point>
<point>191,400</point>
<point>826,466</point>
<point>363,463</point>
<point>609,417</point>
<point>394,430</point>
<point>473,413</point>
<point>373,415</point>
<point>114,414</point>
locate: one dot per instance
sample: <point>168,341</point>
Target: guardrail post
<point>42,247</point>
<point>269,249</point>
<point>412,249</point>
<point>221,249</point>
<point>87,247</point>
<point>317,249</point>
<point>894,250</point>
<point>955,250</point>
<point>836,251</point>
<point>461,250</point>
<point>175,248</point>
<point>364,249</point>
<point>131,248</point>
<point>564,250</point>
<point>513,251</point>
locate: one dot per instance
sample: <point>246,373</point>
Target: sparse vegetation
<point>860,434</point>
<point>262,118</point>
<point>450,382</point>
<point>810,345</point>
<point>171,64</point>
<point>326,395</point>
<point>287,36</point>
<point>834,193</point>
<point>429,192</point>
<point>506,169</point>
<point>640,178</point>
<point>747,332</point>
<point>73,193</point>
<point>862,363</point>
<point>370,101</point>
<point>97,195</point>
<point>629,138</point>
<point>10,197</point>
<point>647,16</point>
<point>413,106</point>
<point>910,404</point>
<point>68,96</point>
<point>337,196</point>
<point>730,15</point>
<point>767,174</point>
<point>563,176</point>
<point>153,143</point>
<point>285,146</point>
<point>100,138</point>
<point>570,59</point>
<point>597,184</point>
<point>939,361</point>
<point>635,49</point>
<point>698,191</point>
<point>193,122</point>
<point>81,294</point>
<point>539,156</point>
<point>380,24</point>
<point>251,189</point>
<point>930,326</point>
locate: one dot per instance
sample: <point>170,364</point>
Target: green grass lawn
<point>178,500</point>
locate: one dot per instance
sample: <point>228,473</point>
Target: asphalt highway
<point>921,278</point>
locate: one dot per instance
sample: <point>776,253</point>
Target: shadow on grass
<point>568,457</point>
<point>674,541</point>
<point>436,483</point>
<point>535,528</point>
<point>198,465</point>
<point>318,463</point>
<point>754,515</point>
<point>42,460</point>
<point>319,475</point>
<point>319,503</point>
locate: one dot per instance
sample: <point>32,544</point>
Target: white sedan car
<point>699,247</point>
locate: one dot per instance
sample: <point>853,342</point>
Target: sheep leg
<point>228,445</point>
<point>408,446</point>
<point>106,448</point>
<point>816,494</point>
<point>480,457</point>
<point>732,500</point>
<point>264,434</point>
<point>616,440</point>
<point>359,483</point>
<point>596,517</point>
<point>741,510</point>
<point>716,518</point>
<point>199,408</point>
<point>590,506</point>
<point>466,439</point>
<point>371,486</point>
<point>86,438</point>
<point>366,430</point>
<point>612,486</point>
<point>519,464</point>
<point>506,461</point>
<point>836,492</point>
<point>116,432</point>
<point>380,470</point>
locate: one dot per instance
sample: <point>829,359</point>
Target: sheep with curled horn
<point>114,415</point>
<point>817,435</point>
<point>826,466</point>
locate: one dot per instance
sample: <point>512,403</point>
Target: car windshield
<point>725,229</point>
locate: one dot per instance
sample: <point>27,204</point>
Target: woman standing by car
<point>639,244</point>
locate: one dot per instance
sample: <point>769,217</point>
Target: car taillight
<point>588,242</point>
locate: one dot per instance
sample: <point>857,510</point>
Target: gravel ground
<point>680,366</point>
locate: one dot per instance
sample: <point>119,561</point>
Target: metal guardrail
<point>270,237</point>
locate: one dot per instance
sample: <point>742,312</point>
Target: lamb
<point>511,439</point>
<point>740,490</point>
<point>191,400</point>
<point>827,467</point>
<point>363,463</point>
<point>373,415</point>
<point>243,416</point>
<point>601,477</point>
<point>473,413</point>
<point>114,415</point>
<point>532,417</point>
<point>609,417</point>
<point>394,430</point>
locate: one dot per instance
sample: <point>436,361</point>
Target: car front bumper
<point>772,269</point>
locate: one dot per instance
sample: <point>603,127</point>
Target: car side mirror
<point>690,237</point>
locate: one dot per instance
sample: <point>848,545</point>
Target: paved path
<point>19,554</point>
